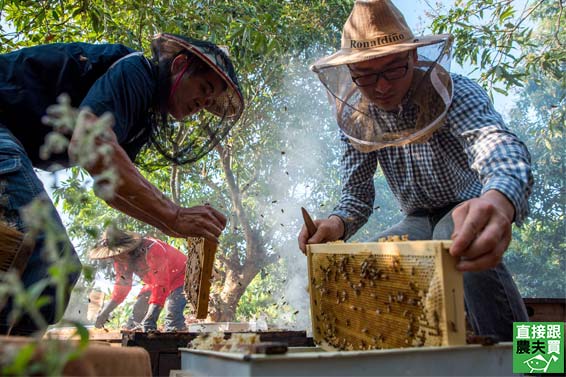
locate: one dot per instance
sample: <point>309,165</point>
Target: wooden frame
<point>198,274</point>
<point>385,295</point>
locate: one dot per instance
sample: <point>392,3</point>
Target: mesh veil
<point>368,128</point>
<point>188,140</point>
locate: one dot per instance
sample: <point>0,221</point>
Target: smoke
<point>304,176</point>
<point>302,172</point>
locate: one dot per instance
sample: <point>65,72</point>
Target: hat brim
<point>351,56</point>
<point>218,106</point>
<point>102,251</point>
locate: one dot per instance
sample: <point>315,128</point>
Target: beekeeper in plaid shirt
<point>456,170</point>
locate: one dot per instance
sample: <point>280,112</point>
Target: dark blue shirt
<point>93,75</point>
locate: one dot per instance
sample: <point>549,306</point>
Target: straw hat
<point>229,104</point>
<point>375,28</point>
<point>115,242</point>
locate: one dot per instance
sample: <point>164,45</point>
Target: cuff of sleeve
<point>513,191</point>
<point>157,300</point>
<point>349,228</point>
<point>118,298</point>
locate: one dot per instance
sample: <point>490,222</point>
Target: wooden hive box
<point>198,274</point>
<point>385,295</point>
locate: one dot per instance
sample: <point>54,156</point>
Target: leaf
<point>23,358</point>
<point>500,90</point>
<point>507,13</point>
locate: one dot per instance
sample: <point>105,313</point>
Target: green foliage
<point>499,40</point>
<point>45,357</point>
<point>27,301</point>
<point>523,50</point>
<point>537,254</point>
<point>265,297</point>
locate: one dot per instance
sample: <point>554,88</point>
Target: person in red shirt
<point>161,268</point>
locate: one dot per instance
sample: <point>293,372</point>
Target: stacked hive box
<point>385,295</point>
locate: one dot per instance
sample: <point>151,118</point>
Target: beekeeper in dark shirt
<point>184,77</point>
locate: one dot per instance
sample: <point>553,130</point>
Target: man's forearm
<point>160,216</point>
<point>95,147</point>
<point>137,197</point>
<point>133,194</point>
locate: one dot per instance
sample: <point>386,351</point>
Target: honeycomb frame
<point>385,295</point>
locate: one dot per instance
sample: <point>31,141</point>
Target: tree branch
<point>253,239</point>
<point>251,181</point>
<point>174,183</point>
<point>558,23</point>
<point>226,261</point>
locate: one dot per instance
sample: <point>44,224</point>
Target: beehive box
<point>385,295</point>
<point>198,274</point>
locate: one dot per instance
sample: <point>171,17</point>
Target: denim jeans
<point>138,311</point>
<point>492,299</point>
<point>19,185</point>
<point>174,318</point>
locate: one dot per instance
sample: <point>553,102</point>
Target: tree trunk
<point>239,273</point>
<point>235,285</point>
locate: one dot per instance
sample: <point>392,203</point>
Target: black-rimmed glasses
<point>391,74</point>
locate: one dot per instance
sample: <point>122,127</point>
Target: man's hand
<point>482,231</point>
<point>328,230</point>
<point>104,314</point>
<point>101,319</point>
<point>200,221</point>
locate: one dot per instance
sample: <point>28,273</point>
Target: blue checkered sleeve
<point>358,191</point>
<point>500,159</point>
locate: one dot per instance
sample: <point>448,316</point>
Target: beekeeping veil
<point>188,140</point>
<point>374,29</point>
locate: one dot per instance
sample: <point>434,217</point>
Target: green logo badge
<point>538,347</point>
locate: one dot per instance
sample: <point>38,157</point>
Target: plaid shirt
<point>473,152</point>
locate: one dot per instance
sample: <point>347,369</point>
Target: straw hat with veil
<point>375,29</point>
<point>115,242</point>
<point>188,140</point>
